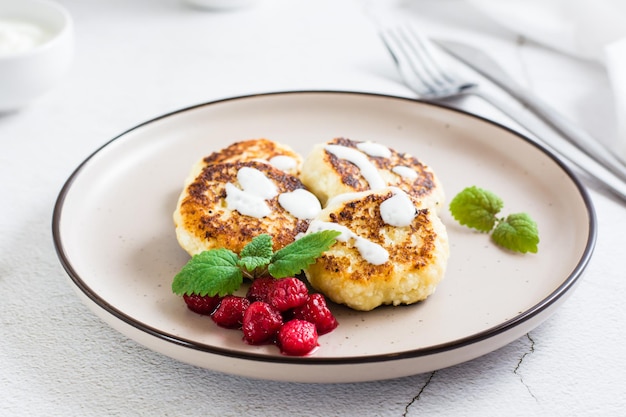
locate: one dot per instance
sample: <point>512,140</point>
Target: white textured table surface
<point>137,60</point>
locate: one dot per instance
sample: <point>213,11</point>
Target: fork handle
<point>572,155</point>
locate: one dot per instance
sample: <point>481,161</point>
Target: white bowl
<point>36,49</point>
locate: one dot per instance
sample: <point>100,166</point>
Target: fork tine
<point>403,57</point>
<point>425,51</point>
<point>418,58</point>
<point>400,55</point>
<point>419,63</point>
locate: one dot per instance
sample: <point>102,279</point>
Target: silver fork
<point>420,68</point>
<point>424,71</point>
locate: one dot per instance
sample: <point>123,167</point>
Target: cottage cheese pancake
<point>390,251</point>
<point>344,166</point>
<point>227,204</point>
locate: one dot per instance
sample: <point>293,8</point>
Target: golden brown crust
<point>254,149</point>
<point>416,243</point>
<point>327,176</point>
<point>423,185</point>
<point>204,222</point>
<point>417,256</point>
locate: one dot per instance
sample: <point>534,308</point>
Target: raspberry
<point>261,322</point>
<point>287,293</point>
<point>230,311</point>
<point>317,312</point>
<point>260,288</point>
<point>297,337</point>
<point>201,304</point>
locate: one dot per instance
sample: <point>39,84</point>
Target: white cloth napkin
<point>588,29</point>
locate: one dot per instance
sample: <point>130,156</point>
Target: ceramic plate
<point>115,237</point>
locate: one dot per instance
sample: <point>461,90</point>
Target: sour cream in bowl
<point>36,50</point>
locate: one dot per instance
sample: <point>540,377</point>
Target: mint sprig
<point>221,271</point>
<point>478,209</point>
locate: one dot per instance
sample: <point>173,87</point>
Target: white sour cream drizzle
<point>300,203</point>
<point>246,203</point>
<point>370,251</point>
<point>17,36</point>
<point>255,182</point>
<point>398,210</point>
<point>374,149</point>
<point>359,158</point>
<point>405,172</point>
<point>256,188</point>
<point>368,170</point>
<point>283,162</point>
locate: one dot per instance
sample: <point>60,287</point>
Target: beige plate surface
<point>115,238</point>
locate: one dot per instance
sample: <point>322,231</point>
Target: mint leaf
<point>476,208</point>
<point>296,256</point>
<point>221,271</point>
<point>257,253</point>
<point>213,272</point>
<point>518,232</point>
